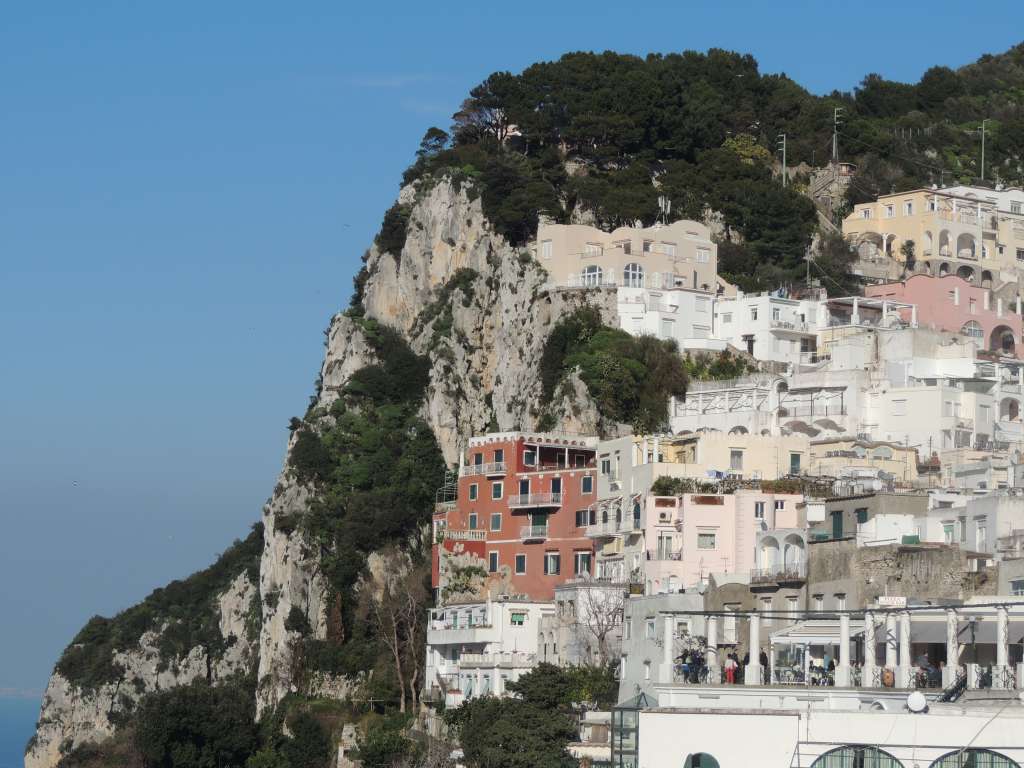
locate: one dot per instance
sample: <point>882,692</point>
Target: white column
<point>890,641</point>
<point>903,672</point>
<point>885,311</point>
<point>657,449</point>
<point>712,650</point>
<point>752,674</point>
<point>952,667</point>
<point>999,307</point>
<point>868,671</point>
<point>1002,647</point>
<point>855,317</point>
<point>479,682</point>
<point>843,667</point>
<point>643,448</point>
<point>667,651</point>
<point>913,316</point>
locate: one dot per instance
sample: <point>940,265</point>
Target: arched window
<point>857,757</point>
<point>633,276</point>
<point>591,275</point>
<point>700,760</point>
<point>974,758</point>
<point>972,329</point>
<point>882,452</point>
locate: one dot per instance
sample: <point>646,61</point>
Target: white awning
<point>815,632</point>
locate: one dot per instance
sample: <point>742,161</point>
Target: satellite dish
<point>916,702</point>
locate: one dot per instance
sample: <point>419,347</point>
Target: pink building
<point>950,303</point>
<point>694,535</point>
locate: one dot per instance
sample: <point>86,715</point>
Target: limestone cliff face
<point>485,354</point>
<point>72,716</point>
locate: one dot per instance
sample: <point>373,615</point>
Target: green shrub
<point>391,238</point>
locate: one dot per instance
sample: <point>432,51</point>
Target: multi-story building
<point>831,455</point>
<point>476,648</point>
<point>950,303</point>
<point>683,315</point>
<point>520,517</point>
<point>770,327</point>
<point>963,231</point>
<point>679,255</point>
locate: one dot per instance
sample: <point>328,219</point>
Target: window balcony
<point>533,533</point>
<point>791,326</point>
<point>467,535</point>
<point>612,528</point>
<point>523,500</point>
<point>491,469</point>
<point>779,574</point>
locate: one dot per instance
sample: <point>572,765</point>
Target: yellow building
<point>830,456</point>
<point>679,255</point>
<point>750,457</point>
<point>972,232</point>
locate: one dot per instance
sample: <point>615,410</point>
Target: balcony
<point>533,533</point>
<point>791,327</point>
<point>964,423</point>
<point>509,660</point>
<point>612,528</point>
<point>779,574</point>
<point>467,535</point>
<point>656,556</point>
<point>523,500</point>
<point>491,469</point>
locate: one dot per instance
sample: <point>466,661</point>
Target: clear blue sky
<point>185,191</point>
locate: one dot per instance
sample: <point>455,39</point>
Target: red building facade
<point>521,513</point>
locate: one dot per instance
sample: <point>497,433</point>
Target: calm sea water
<point>17,721</point>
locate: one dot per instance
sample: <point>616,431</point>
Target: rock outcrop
<point>484,338</point>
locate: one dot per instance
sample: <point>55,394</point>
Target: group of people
<point>692,668</point>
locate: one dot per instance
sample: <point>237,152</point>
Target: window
<point>776,313</point>
<point>862,515</point>
<point>759,510</point>
<point>520,564</point>
<point>647,670</point>
<point>1020,254</point>
<point>518,618</point>
<point>552,563</point>
<point>649,629</point>
<point>581,563</point>
<point>497,490</point>
<point>1015,207</point>
<point>496,521</point>
<point>908,209</point>
<point>865,213</point>
<point>546,249</point>
<point>819,602</point>
<point>492,562</point>
<point>703,255</point>
<point>669,249</point>
<point>473,491</point>
<point>587,484</point>
<point>899,407</point>
<point>931,205</point>
<point>890,211</point>
<point>948,533</point>
<point>706,540</point>
<point>582,518</point>
<point>556,485</point>
<point>530,457</point>
<point>1017,587</point>
<point>592,249</point>
<point>791,606</point>
<point>794,463</point>
<point>780,505</point>
<point>626,246</point>
<point>753,313</point>
<point>633,276</point>
<point>962,525</point>
<point>726,318</point>
<point>499,455</point>
<point>982,538</point>
<point>972,305</point>
<point>735,459</point>
<point>524,487</point>
<point>606,466</point>
<point>472,521</point>
<point>840,601</point>
<point>766,607</point>
<point>668,329</point>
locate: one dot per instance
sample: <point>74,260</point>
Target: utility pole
<point>983,147</point>
<point>837,113</point>
<point>782,145</point>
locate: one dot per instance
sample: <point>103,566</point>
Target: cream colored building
<point>679,255</point>
<point>750,457</point>
<point>831,455</point>
<point>972,232</point>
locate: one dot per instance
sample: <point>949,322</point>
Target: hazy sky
<point>185,191</point>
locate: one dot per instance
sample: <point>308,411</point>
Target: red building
<point>521,513</point>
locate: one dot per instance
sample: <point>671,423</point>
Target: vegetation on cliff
<point>185,614</point>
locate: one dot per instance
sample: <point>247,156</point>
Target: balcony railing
<point>787,325</point>
<point>468,535</point>
<point>533,533</point>
<point>964,423</point>
<point>779,573</point>
<point>522,660</point>
<point>535,500</point>
<point>491,468</point>
<point>613,527</point>
<point>664,556</point>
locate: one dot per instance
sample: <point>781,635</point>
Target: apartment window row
<point>582,563</point>
<point>498,457</point>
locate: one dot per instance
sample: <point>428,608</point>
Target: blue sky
<point>185,191</point>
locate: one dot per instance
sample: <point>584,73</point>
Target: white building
<point>477,648</point>
<point>770,327</point>
<point>683,315</point>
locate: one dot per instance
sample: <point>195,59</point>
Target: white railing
<point>473,535</point>
<point>612,527</point>
<point>491,468</point>
<point>499,659</point>
<point>788,325</point>
<point>779,572</point>
<point>533,532</point>
<point>535,500</point>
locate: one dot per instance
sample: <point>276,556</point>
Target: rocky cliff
<point>480,311</point>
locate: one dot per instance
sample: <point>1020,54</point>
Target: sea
<point>17,722</point>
